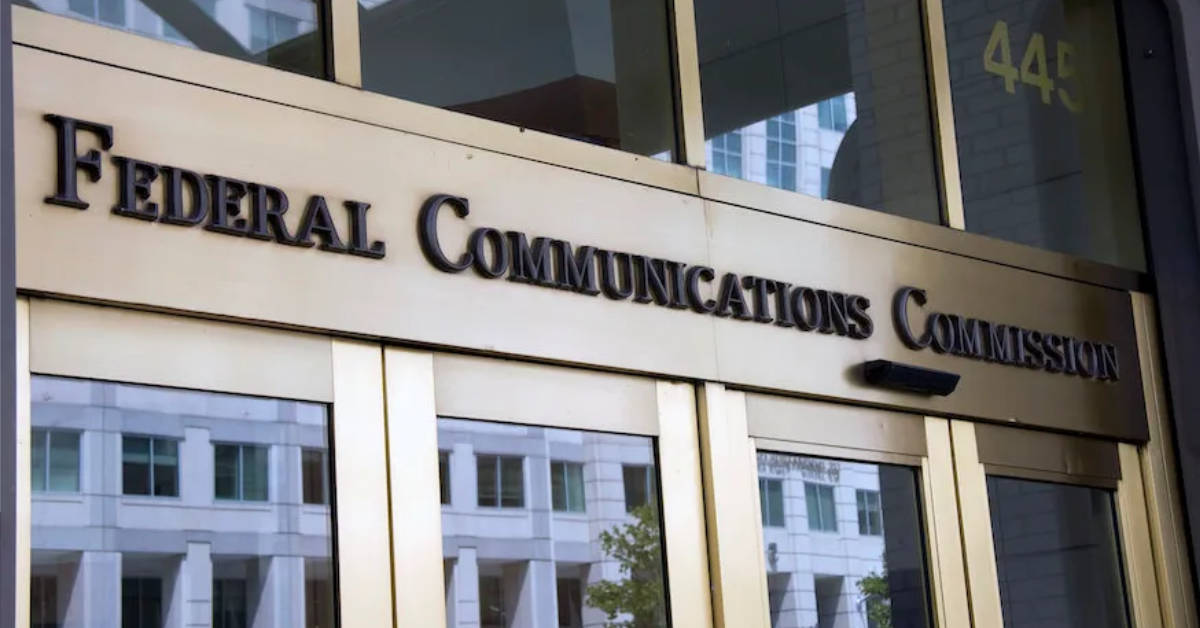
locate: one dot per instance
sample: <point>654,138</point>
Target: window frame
<point>150,464</point>
<point>769,520</point>
<point>817,490</point>
<point>240,479</point>
<point>862,498</point>
<point>499,460</point>
<point>567,507</point>
<point>45,473</point>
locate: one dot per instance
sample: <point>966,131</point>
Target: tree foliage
<point>635,601</point>
<point>874,588</point>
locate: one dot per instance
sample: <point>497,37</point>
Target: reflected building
<point>525,510</point>
<point>158,507</point>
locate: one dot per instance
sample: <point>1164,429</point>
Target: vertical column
<point>532,588</point>
<point>195,467</point>
<point>412,456</point>
<point>466,588</point>
<point>95,591</point>
<point>735,543</point>
<point>343,22</point>
<point>197,574</point>
<point>683,502</point>
<point>281,592</point>
<point>982,579</point>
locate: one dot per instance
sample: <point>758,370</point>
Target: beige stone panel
<point>96,254</point>
<point>768,356</point>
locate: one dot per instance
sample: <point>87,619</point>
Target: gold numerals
<point>1034,69</point>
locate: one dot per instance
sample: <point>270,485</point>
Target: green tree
<point>874,588</point>
<point>638,596</point>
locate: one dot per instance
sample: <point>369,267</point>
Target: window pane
<point>37,465</point>
<point>225,471</point>
<point>512,482</point>
<point>828,509</point>
<point>634,478</point>
<point>1056,555</point>
<point>255,475</point>
<point>1043,138</point>
<point>605,563</point>
<point>166,467</point>
<point>285,34</point>
<point>558,486</point>
<point>233,563</point>
<point>135,465</point>
<point>487,483</point>
<point>313,474</point>
<point>823,579</point>
<point>64,461</point>
<point>862,111</point>
<point>444,475</point>
<point>594,71</point>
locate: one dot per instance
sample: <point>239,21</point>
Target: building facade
<point>566,314</point>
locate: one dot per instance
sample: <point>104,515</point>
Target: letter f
<point>70,161</point>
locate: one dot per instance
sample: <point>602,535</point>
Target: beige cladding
<point>94,254</point>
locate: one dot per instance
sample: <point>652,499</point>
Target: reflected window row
<point>828,98</point>
<point>150,466</point>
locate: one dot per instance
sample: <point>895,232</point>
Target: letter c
<point>427,232</point>
<point>900,315</point>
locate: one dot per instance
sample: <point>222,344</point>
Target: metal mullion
<point>344,43</point>
<point>690,124</point>
<point>937,66</point>
<point>150,448</point>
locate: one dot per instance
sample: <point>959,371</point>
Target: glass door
<point>1055,528</point>
<point>853,523</point>
<point>533,495</point>
<point>187,472</point>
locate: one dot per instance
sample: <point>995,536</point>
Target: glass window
<point>314,474</point>
<point>566,486</point>
<point>1056,555</point>
<point>595,71</point>
<point>1043,138</point>
<point>240,472</point>
<point>150,466</point>
<point>639,486</point>
<point>113,560</point>
<point>770,497</point>
<point>534,567</point>
<point>285,34</point>
<point>726,154</point>
<point>229,603</point>
<point>819,579</point>
<point>836,84</point>
<point>570,603</point>
<point>43,602</point>
<point>444,476</point>
<point>141,603</point>
<point>500,481</point>
<point>870,513</point>
<point>822,512</point>
<point>54,460</point>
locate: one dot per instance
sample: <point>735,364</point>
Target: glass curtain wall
<point>284,34</point>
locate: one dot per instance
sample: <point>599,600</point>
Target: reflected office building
<point>161,507</point>
<point>549,527</point>
<point>843,543</point>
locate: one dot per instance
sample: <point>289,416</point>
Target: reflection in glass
<point>147,540</point>
<point>546,561</point>
<point>822,570</point>
<point>596,71</point>
<point>283,34</point>
<point>827,98</point>
<point>1056,555</point>
<point>1043,138</point>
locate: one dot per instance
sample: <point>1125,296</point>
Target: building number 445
<point>1034,70</point>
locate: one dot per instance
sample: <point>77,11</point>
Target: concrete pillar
<point>532,588</point>
<point>280,598</point>
<point>463,492</point>
<point>94,591</point>
<point>195,587</point>
<point>196,468</point>
<point>465,589</point>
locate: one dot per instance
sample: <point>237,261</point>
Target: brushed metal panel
<point>1049,453</point>
<point>800,420</point>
